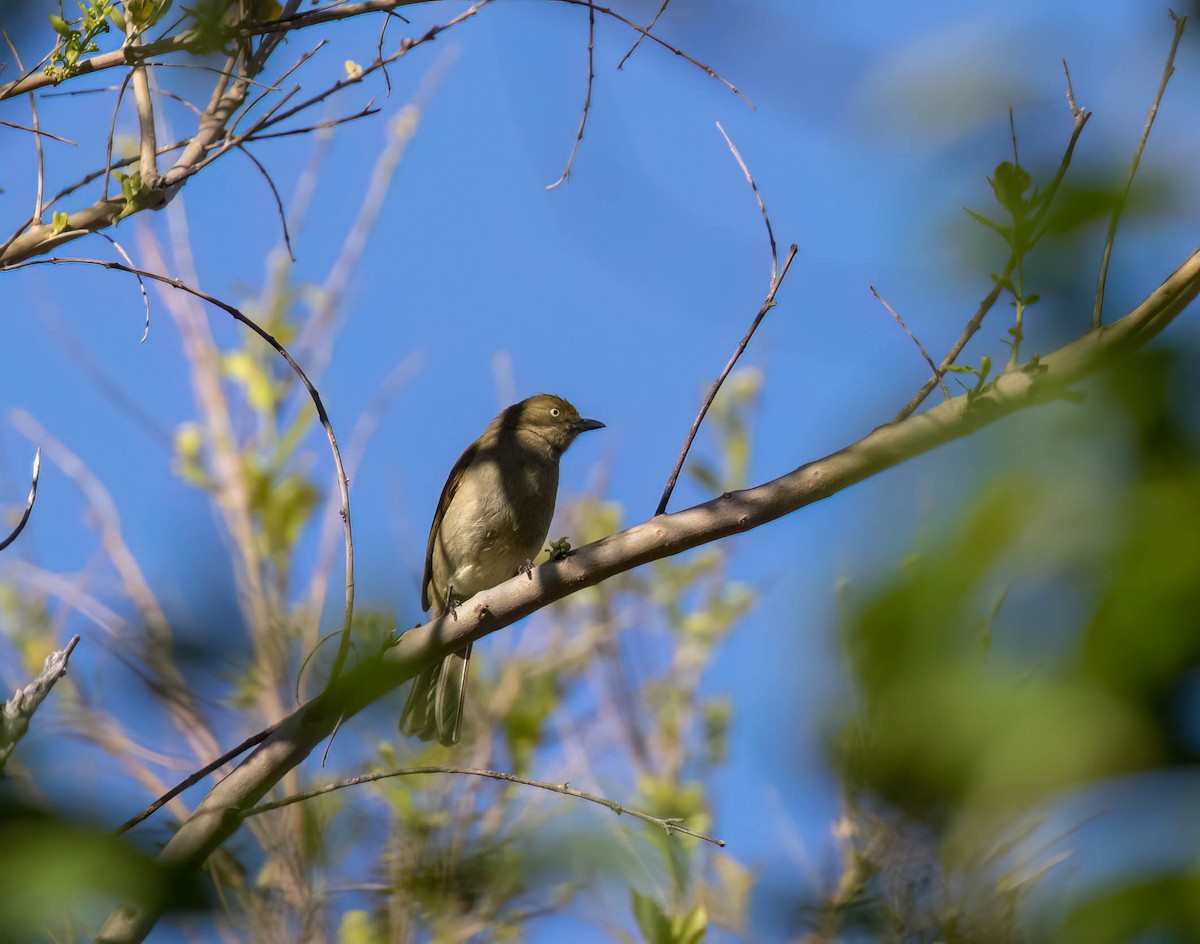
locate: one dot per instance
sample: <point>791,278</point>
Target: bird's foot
<point>560,549</point>
<point>451,606</point>
<point>526,569</point>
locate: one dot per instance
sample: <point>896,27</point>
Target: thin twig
<point>196,777</point>
<point>37,471</point>
<point>920,347</point>
<point>287,239</point>
<point>105,89</point>
<point>587,99</point>
<point>637,42</point>
<point>274,86</point>
<point>767,305</point>
<point>645,32</point>
<point>112,133</point>
<point>762,208</point>
<point>367,112</point>
<point>44,134</point>
<point>1080,116</point>
<point>777,276</point>
<point>669,825</point>
<point>387,21</point>
<point>237,315</point>
<point>1168,71</point>
<point>141,284</point>
<point>38,208</point>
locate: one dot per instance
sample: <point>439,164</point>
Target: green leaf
<point>653,923</point>
<point>691,927</point>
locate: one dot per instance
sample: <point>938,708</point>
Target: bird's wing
<point>448,492</point>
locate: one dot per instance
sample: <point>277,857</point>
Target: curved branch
<point>669,825</point>
<point>37,471</point>
<point>777,277</point>
<point>343,481</point>
<point>218,817</point>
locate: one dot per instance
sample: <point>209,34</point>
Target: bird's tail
<point>434,708</point>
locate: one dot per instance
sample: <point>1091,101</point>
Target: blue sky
<point>626,289</point>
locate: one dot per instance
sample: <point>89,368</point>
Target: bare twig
<point>105,89</point>
<point>1168,71</point>
<point>332,123</point>
<point>274,86</point>
<point>669,825</point>
<point>1080,116</point>
<point>778,274</point>
<point>758,199</point>
<point>287,238</point>
<point>112,133</point>
<point>141,284</point>
<point>44,134</point>
<point>12,536</point>
<point>645,32</point>
<point>637,42</point>
<point>587,99</point>
<point>18,710</point>
<point>920,347</point>
<point>38,208</point>
<point>194,778</point>
<point>387,21</point>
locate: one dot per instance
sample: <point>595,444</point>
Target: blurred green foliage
<point>964,722</point>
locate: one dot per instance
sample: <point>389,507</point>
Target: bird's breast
<point>497,520</point>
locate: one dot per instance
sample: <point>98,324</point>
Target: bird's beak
<point>582,426</point>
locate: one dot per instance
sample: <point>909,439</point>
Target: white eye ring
<point>554,411</point>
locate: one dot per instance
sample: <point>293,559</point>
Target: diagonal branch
<point>777,277</point>
<point>218,817</point>
<point>937,374</point>
<point>637,42</point>
<point>1168,71</point>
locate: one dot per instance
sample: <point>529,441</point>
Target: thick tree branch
<point>219,815</point>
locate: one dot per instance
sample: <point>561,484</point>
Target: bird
<point>491,521</point>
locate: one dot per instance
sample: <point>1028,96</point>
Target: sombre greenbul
<point>491,521</point>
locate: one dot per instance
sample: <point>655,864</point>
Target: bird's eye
<point>554,411</point>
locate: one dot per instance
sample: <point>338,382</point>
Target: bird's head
<point>550,417</point>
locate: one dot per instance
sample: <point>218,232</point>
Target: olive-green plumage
<point>491,522</point>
